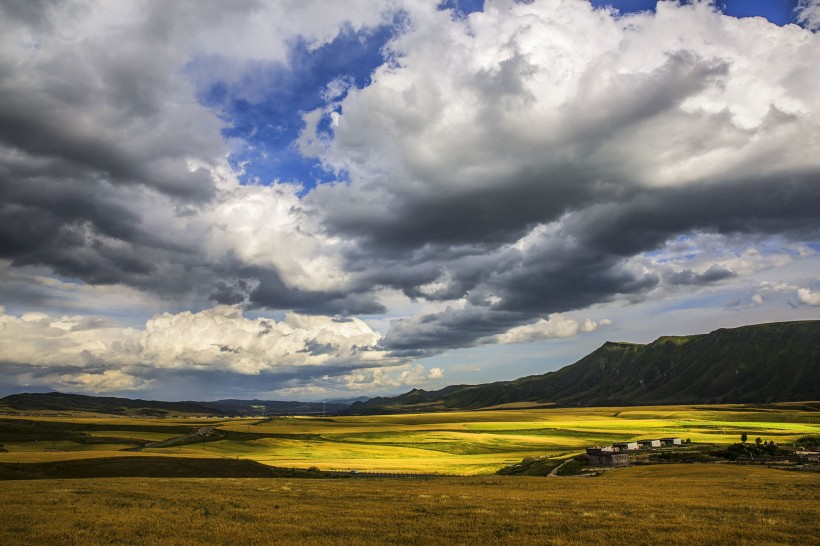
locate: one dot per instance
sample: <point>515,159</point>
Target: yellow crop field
<point>477,442</point>
<point>134,434</point>
<point>675,504</point>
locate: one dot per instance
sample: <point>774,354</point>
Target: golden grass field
<point>674,504</point>
<point>464,443</point>
<point>677,504</point>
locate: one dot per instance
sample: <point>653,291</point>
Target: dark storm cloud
<point>554,177</point>
<point>40,199</point>
<point>105,110</point>
<point>586,261</point>
<point>35,237</point>
<point>601,214</point>
<point>456,243</point>
<point>449,329</point>
<point>90,137</point>
<point>30,127</point>
<point>91,230</point>
<point>525,185</point>
<point>230,293</point>
<point>94,236</point>
<point>95,140</point>
<point>273,293</point>
<point>488,216</point>
<point>779,204</point>
<point>713,274</point>
<point>540,283</point>
<point>464,267</point>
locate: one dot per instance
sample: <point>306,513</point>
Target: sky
<point>316,200</point>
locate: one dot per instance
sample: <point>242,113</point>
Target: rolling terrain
<point>765,363</point>
<point>470,442</point>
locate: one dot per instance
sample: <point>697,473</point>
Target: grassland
<point>465,443</point>
<point>677,504</point>
<point>695,503</point>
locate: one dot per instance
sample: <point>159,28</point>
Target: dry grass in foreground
<point>692,504</point>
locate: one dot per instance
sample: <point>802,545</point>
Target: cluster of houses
<point>807,457</point>
<point>617,453</point>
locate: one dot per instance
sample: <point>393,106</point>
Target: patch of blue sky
<point>461,8</point>
<point>662,257</point>
<point>779,12</point>
<point>689,246</point>
<point>778,245</point>
<point>674,249</point>
<point>503,362</point>
<point>263,106</point>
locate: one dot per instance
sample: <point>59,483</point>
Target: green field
<point>465,443</point>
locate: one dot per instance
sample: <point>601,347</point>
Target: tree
<point>758,440</point>
<point>744,437</point>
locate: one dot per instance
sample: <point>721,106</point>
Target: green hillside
<point>777,362</point>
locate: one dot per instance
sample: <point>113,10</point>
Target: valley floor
<point>471,443</point>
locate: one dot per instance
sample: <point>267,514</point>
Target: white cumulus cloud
<point>555,327</point>
<point>217,339</point>
<point>808,296</point>
<point>808,13</point>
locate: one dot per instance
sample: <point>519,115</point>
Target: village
<point>617,454</point>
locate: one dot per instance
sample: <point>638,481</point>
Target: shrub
<point>811,440</point>
<point>572,468</point>
<point>749,451</point>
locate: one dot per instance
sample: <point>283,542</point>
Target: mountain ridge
<point>763,363</point>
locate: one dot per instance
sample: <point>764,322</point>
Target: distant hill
<point>71,403</point>
<point>257,407</point>
<point>777,362</point>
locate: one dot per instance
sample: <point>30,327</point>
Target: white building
<point>671,441</point>
<point>649,443</point>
